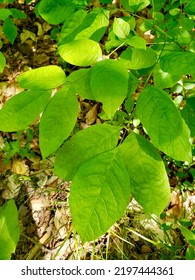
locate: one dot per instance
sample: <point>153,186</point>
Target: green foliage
<point>112,60</point>
<point>135,58</point>
<point>164,124</point>
<point>81,52</point>
<point>109,84</point>
<point>44,78</point>
<point>57,121</point>
<point>79,149</point>
<point>99,189</point>
<point>188,113</point>
<point>56,11</point>
<point>22,109</point>
<point>176,63</point>
<point>9,229</point>
<point>10,29</point>
<point>149,182</point>
<point>2,62</point>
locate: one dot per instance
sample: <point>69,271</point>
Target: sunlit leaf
<point>177,63</point>
<point>94,25</point>
<point>138,58</point>
<point>22,109</point>
<point>188,113</point>
<point>121,28</point>
<point>42,78</point>
<point>9,229</point>
<point>82,52</point>
<point>58,120</point>
<point>164,79</point>
<point>135,5</point>
<point>109,84</point>
<point>79,149</point>
<point>80,83</point>
<point>2,62</point>
<point>149,181</point>
<point>99,194</point>
<point>164,124</point>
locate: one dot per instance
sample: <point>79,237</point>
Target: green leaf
<point>80,83</point>
<point>9,229</point>
<point>22,109</point>
<point>164,79</point>
<point>99,194</point>
<point>188,113</point>
<point>58,120</point>
<point>83,52</point>
<point>177,63</point>
<point>149,181</point>
<point>4,13</point>
<point>121,28</point>
<point>135,5</point>
<point>42,78</point>
<point>190,7</point>
<point>18,13</point>
<point>106,1</point>
<point>79,149</point>
<point>138,58</point>
<point>10,30</point>
<point>137,42</point>
<point>55,11</point>
<point>189,235</point>
<point>2,62</point>
<point>164,124</point>
<point>94,25</point>
<point>71,26</point>
<point>109,84</point>
<point>183,37</point>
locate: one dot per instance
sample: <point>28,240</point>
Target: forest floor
<point>42,198</point>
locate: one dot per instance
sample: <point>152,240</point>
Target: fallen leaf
<point>26,34</point>
<point>37,203</point>
<point>145,249</point>
<point>91,115</point>
<point>176,206</point>
<point>19,167</point>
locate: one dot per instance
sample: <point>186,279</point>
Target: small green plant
<point>112,161</point>
<point>7,16</point>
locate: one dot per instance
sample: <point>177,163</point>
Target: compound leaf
<point>22,109</point>
<point>58,120</point>
<point>109,84</point>
<point>149,181</point>
<point>81,52</point>
<point>42,78</point>
<point>9,229</point>
<point>79,149</point>
<point>164,124</point>
<point>99,194</point>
